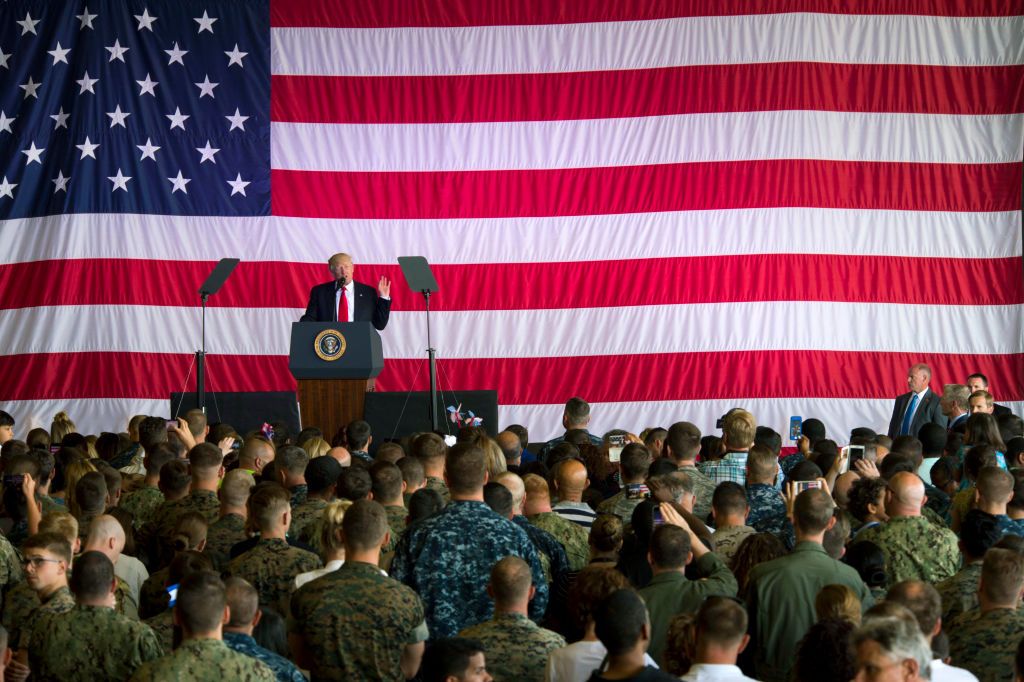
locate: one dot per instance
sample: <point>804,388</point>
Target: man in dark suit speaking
<point>345,300</point>
<point>917,407</point>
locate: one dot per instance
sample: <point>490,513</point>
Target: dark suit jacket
<point>369,307</point>
<point>927,411</point>
<point>998,409</point>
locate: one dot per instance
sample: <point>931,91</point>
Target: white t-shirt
<point>576,662</point>
<point>948,673</point>
<point>714,672</point>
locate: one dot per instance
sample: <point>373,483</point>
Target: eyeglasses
<point>38,561</point>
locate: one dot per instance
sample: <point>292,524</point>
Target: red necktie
<point>343,307</point>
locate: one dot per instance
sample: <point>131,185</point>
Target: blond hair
<point>60,522</point>
<point>72,475</point>
<point>837,601</point>
<point>60,427</point>
<point>739,428</point>
<point>330,526</point>
<point>316,447</point>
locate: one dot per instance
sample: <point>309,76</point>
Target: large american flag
<point>668,208</point>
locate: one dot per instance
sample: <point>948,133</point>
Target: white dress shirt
<point>576,662</point>
<point>948,673</point>
<point>715,672</point>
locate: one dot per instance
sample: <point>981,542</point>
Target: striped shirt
<point>577,512</point>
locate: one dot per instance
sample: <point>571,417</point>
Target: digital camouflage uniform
<point>225,532</point>
<point>573,537</point>
<point>299,494</point>
<point>960,592</point>
<point>159,533</point>
<point>915,549</point>
<point>10,569</point>
<point>703,489</point>
<point>309,512</point>
<point>153,596</point>
<point>204,660</point>
<point>549,550</point>
<point>768,513</point>
<point>284,670</point>
<point>90,643</point>
<point>271,567</point>
<point>124,600</point>
<point>162,626</point>
<point>397,517</point>
<point>447,560</point>
<point>31,609</point>
<point>355,623</point>
<point>624,502</point>
<point>517,648</point>
<point>438,484</point>
<point>143,504</point>
<point>985,644</point>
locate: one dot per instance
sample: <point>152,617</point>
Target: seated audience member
<point>272,564</point>
<point>356,647</point>
<point>634,465</point>
<point>91,641</point>
<point>915,548</point>
<point>922,600</point>
<point>729,509</point>
<point>781,593</point>
<point>984,641</point>
<point>244,603</point>
<point>888,643</point>
<point>622,626</point>
<point>330,542</point>
<point>446,559</point>
<point>201,611</point>
<point>519,647</point>
<point>575,662</point>
<point>738,429</point>
<point>721,630</point>
<point>825,652</point>
<point>767,507</point>
<point>454,659</point>
<point>669,593</point>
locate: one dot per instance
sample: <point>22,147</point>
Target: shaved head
<point>906,495</point>
<point>102,530</point>
<point>342,455</point>
<point>516,487</point>
<point>510,581</point>
<point>508,441</point>
<point>571,476</point>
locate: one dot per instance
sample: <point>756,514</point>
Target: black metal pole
<point>201,364</point>
<point>432,360</point>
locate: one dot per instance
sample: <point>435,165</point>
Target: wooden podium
<point>332,361</point>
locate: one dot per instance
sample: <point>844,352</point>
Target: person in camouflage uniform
<point>144,502</point>
<point>205,466</point>
<point>272,564</point>
<point>245,614</point>
<point>321,478</point>
<point>431,451</point>
<point>682,445</point>
<point>959,593</point>
<point>229,529</point>
<point>634,465</point>
<point>767,507</point>
<point>985,641</point>
<point>505,495</point>
<point>10,569</point>
<point>915,548</point>
<point>202,656</point>
<point>384,621</point>
<point>573,537</point>
<point>446,558</point>
<point>91,641</point>
<point>518,647</point>
<point>730,511</point>
<point>387,487</point>
<point>290,471</point>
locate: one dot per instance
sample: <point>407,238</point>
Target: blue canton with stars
<point>158,106</point>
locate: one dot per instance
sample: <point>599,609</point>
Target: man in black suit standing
<point>917,407</point>
<point>979,382</point>
<point>345,300</point>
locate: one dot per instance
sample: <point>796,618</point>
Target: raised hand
<point>384,287</point>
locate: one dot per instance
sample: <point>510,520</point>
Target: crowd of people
<point>186,550</point>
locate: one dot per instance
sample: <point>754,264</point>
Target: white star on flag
<point>28,24</point>
<point>207,153</point>
<point>238,185</point>
<point>120,181</point>
<point>87,148</point>
<point>5,123</point>
<point>86,19</point>
<point>61,182</point>
<point>60,119</point>
<point>116,51</point>
<point>3,58</point>
<point>148,86</point>
<point>237,121</point>
<point>7,188</point>
<point>236,56</point>
<point>148,150</point>
<point>30,88</point>
<point>59,54</point>
<point>145,21</point>
<point>179,183</point>
<point>117,117</point>
<point>176,54</point>
<point>33,153</point>
<point>205,22</point>
<point>206,88</point>
<point>177,118</point>
<point>86,84</point>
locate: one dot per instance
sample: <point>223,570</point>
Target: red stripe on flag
<point>525,381</point>
<point>524,286</point>
<point>883,88</point>
<point>642,189</point>
<point>384,13</point>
